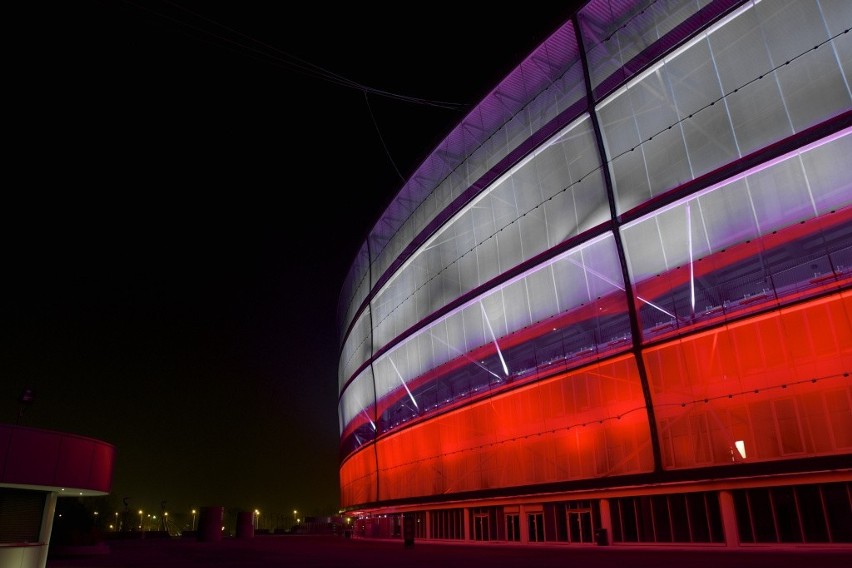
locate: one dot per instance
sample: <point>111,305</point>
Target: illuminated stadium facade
<point>614,304</point>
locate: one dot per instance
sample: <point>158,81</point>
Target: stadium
<point>613,305</point>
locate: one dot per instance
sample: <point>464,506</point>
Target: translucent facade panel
<point>615,32</point>
<point>695,85</point>
<point>812,88</point>
<point>589,424</point>
<point>621,132</point>
<point>734,247</point>
<point>579,208</point>
<point>836,15</point>
<point>356,413</point>
<point>539,112</point>
<point>356,350</point>
<point>358,478</point>
<point>765,389</point>
<point>355,288</point>
<point>542,294</point>
<point>709,139</point>
<point>828,178</point>
<point>739,53</point>
<point>730,91</point>
<point>587,273</point>
<point>472,328</point>
<point>509,245</point>
<point>725,215</point>
<point>477,163</point>
<point>758,114</point>
<point>517,130</point>
<point>789,189</point>
<point>564,313</point>
<point>516,304</point>
<point>531,235</point>
<point>842,46</point>
<point>790,27</point>
<point>780,195</point>
<point>508,224</point>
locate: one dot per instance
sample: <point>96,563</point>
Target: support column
<point>466,524</point>
<point>729,519</point>
<point>428,529</point>
<point>46,526</point>
<point>524,524</point>
<point>606,518</point>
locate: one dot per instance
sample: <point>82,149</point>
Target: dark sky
<point>181,208</point>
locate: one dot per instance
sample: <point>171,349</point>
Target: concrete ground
<point>333,551</point>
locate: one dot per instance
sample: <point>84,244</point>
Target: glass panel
<point>355,411</point>
<point>763,515</point>
<point>645,518</point>
<point>774,359</point>
<point>703,258</point>
<point>838,509</point>
<point>698,517</point>
<point>739,51</point>
<point>744,520</point>
<point>779,195</point>
<point>680,517</point>
<point>786,514</point>
<point>356,349</point>
<point>809,500</point>
<point>714,517</point>
<point>666,160</point>
<point>616,32</point>
<point>628,520</point>
<point>813,88</point>
<point>758,114</point>
<point>827,174</point>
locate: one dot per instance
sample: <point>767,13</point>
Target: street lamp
<point>256,519</point>
<point>193,518</point>
<point>140,519</point>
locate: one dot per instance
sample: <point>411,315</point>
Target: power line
<point>369,108</point>
<point>256,48</point>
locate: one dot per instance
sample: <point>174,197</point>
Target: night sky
<point>187,188</point>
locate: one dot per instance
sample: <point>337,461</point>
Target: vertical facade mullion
<point>632,309</point>
<point>373,367</point>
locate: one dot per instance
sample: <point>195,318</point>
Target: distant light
<point>27,396</point>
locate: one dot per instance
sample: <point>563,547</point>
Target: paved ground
<point>329,551</point>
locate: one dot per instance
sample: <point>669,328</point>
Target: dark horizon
<point>172,264</point>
